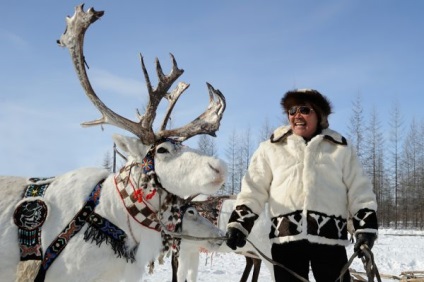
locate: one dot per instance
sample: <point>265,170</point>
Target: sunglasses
<point>304,110</point>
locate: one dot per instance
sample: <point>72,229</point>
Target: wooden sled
<point>405,276</point>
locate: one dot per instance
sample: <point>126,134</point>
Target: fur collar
<point>283,132</point>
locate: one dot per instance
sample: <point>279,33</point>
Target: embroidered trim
<point>29,216</point>
<point>38,188</point>
<point>102,230</point>
<point>318,224</point>
<point>135,204</point>
<point>73,227</point>
<point>148,164</point>
<point>365,219</point>
<point>134,197</point>
<point>243,218</point>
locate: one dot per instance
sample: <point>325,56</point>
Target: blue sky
<point>253,51</point>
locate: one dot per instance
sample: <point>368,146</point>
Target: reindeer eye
<point>162,150</point>
<point>191,211</point>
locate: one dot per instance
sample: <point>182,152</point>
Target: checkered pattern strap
<point>137,209</point>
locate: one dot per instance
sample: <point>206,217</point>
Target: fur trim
<point>373,231</point>
<point>27,270</point>
<point>243,219</point>
<point>239,226</point>
<point>319,102</point>
<point>283,132</point>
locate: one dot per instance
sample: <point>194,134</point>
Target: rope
<point>179,235</point>
<point>368,258</point>
<point>277,263</point>
<point>369,264</point>
<point>368,261</point>
<point>131,231</point>
<point>224,238</point>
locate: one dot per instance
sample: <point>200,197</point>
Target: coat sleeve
<point>254,192</point>
<point>361,198</point>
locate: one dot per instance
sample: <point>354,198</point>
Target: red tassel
<point>138,194</point>
<point>151,195</point>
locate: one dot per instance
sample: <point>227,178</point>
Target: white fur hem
<point>373,231</point>
<point>239,227</point>
<point>312,239</point>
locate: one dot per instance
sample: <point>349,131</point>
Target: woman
<point>313,181</point>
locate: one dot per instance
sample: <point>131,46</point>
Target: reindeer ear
<point>130,145</point>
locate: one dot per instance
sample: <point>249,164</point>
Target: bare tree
<point>207,145</point>
<point>374,161</point>
<point>356,126</point>
<point>265,131</point>
<point>246,148</point>
<point>411,177</point>
<point>395,140</point>
<point>420,196</point>
<point>231,156</point>
<point>108,162</point>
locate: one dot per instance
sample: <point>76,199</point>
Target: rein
<point>277,263</point>
<point>367,260</point>
<point>149,175</point>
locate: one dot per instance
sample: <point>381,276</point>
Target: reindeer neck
<point>144,199</point>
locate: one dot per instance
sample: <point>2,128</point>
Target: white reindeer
<point>88,225</point>
<point>188,259</point>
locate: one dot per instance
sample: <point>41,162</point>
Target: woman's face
<point>303,120</point>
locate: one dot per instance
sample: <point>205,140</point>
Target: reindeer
<point>89,225</point>
<point>218,209</point>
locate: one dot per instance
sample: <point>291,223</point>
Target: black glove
<point>235,238</point>
<point>364,239</point>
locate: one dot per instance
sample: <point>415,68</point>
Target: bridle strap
<point>72,228</point>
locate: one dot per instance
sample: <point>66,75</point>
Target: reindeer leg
<point>247,269</point>
<point>194,265</point>
<point>256,269</point>
<point>174,263</point>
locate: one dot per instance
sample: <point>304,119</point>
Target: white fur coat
<point>312,188</point>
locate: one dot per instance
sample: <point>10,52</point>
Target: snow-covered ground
<point>395,251</point>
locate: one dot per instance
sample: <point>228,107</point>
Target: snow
<point>395,251</point>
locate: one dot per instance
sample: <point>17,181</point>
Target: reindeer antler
<point>206,123</point>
